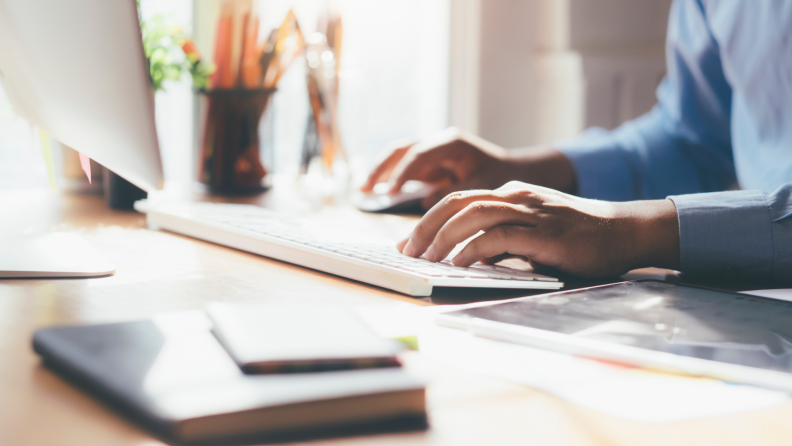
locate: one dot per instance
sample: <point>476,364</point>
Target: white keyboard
<point>300,241</point>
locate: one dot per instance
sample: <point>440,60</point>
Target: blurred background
<point>516,72</point>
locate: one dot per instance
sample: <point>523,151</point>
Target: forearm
<point>543,166</point>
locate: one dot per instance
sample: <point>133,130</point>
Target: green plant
<point>171,54</point>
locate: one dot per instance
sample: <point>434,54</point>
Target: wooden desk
<point>160,272</point>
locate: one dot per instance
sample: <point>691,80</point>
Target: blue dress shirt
<point>723,121</point>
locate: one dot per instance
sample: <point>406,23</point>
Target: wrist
<point>543,166</point>
<point>654,233</point>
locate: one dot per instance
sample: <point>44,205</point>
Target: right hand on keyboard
<point>588,238</point>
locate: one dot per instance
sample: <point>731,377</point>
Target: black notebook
<point>172,376</point>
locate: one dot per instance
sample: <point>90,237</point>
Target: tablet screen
<point>684,320</point>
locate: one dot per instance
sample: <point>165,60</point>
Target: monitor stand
<point>51,255</point>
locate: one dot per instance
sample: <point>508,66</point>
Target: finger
<point>426,229</point>
<point>477,216</point>
<point>440,177</point>
<point>413,166</point>
<point>435,197</point>
<point>514,240</point>
<point>425,157</point>
<point>400,245</point>
<point>384,168</point>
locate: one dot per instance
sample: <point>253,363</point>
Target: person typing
<point>701,184</point>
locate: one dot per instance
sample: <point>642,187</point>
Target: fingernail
<point>408,249</point>
<point>458,259</point>
<point>430,254</point>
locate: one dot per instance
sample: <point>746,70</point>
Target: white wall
<point>508,79</point>
<point>616,25</point>
<point>551,68</point>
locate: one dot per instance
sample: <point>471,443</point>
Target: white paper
<point>780,294</point>
<point>634,394</point>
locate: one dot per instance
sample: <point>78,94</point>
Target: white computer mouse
<point>406,201</point>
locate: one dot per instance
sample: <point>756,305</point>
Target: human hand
<point>452,159</point>
<point>584,237</point>
<point>460,161</point>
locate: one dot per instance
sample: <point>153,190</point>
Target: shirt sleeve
<point>683,145</point>
<point>737,233</point>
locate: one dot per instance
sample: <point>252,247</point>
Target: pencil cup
<point>236,146</point>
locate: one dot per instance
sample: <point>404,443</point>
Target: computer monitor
<point>76,69</point>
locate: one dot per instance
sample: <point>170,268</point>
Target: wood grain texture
<point>160,272</point>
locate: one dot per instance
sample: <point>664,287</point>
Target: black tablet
<point>654,324</point>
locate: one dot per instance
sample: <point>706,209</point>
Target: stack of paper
<point>629,393</point>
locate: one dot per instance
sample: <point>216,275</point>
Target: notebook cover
<point>171,376</point>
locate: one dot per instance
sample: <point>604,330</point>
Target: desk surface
<point>160,272</point>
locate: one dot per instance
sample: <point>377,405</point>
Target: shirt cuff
<point>603,172</point>
<point>725,233</point>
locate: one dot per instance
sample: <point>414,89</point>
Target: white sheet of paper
<point>634,394</point>
<point>780,294</point>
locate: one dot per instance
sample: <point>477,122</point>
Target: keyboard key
<point>430,272</point>
<point>473,275</point>
<point>456,274</point>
